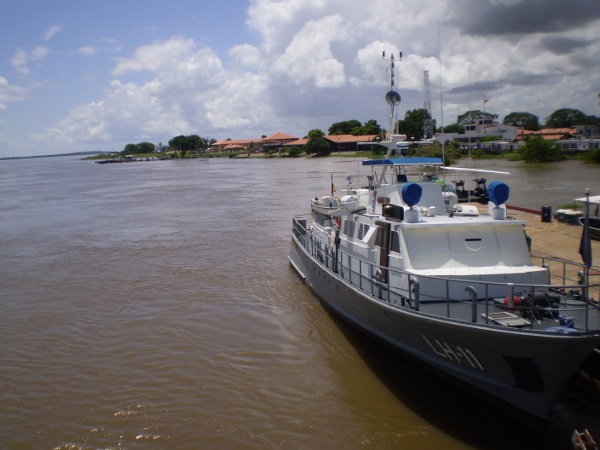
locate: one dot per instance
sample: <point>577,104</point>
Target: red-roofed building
<point>348,142</point>
<point>236,145</point>
<point>339,142</point>
<point>550,134</point>
<point>276,141</point>
<point>297,142</point>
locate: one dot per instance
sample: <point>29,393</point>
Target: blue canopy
<point>403,162</point>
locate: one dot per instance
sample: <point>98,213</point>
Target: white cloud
<point>246,54</point>
<point>52,31</point>
<point>316,62</point>
<point>168,55</point>
<point>309,55</point>
<point>21,59</point>
<point>39,53</point>
<point>188,91</point>
<point>10,93</point>
<point>87,50</point>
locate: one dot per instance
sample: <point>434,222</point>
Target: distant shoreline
<point>55,155</point>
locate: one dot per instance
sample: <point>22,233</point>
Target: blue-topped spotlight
<point>498,193</point>
<point>411,194</point>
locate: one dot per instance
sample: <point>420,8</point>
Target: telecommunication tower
<point>427,122</point>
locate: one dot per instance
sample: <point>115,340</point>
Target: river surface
<point>152,305</point>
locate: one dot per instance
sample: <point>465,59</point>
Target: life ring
<point>338,222</point>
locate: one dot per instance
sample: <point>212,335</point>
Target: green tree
<point>317,144</point>
<point>146,147</point>
<point>295,151</point>
<point>315,133</point>
<point>137,149</point>
<point>524,120</point>
<point>413,123</point>
<point>592,120</point>
<point>129,149</point>
<point>191,143</point>
<point>538,149</point>
<point>370,127</point>
<point>489,138</point>
<point>565,118</point>
<point>453,128</point>
<point>345,127</point>
<point>591,156</point>
<point>470,116</point>
<point>177,143</point>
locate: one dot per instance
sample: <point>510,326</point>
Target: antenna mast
<point>428,122</point>
<point>392,97</point>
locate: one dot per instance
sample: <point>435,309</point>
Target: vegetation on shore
<point>536,149</point>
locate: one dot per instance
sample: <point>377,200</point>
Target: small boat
<point>447,285</point>
<point>594,227</point>
<point>120,159</point>
<point>594,215</point>
<point>109,161</point>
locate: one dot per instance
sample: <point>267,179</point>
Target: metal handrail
<point>351,267</point>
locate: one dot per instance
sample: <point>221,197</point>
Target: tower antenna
<point>392,97</point>
<point>427,122</point>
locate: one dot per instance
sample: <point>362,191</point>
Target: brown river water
<point>152,305</point>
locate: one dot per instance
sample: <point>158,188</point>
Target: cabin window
<point>351,228</point>
<point>379,238</point>
<point>363,229</point>
<point>395,244</point>
<point>383,238</point>
<point>345,227</point>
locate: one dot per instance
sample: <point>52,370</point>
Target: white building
<point>481,128</point>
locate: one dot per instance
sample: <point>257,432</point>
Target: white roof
<point>595,199</point>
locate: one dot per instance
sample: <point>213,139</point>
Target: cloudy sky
<point>97,75</point>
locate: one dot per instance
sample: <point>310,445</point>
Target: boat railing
<point>403,289</point>
<point>561,270</point>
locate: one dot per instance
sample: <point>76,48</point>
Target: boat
<point>452,287</point>
<point>594,227</point>
<point>594,216</point>
<point>120,159</point>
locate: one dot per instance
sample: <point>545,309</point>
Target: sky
<point>86,75</point>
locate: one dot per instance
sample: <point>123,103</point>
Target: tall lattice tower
<point>428,121</point>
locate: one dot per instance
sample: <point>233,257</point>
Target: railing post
<point>378,276</point>
<point>511,296</point>
<point>473,292</point>
<point>415,282</point>
<point>337,248</point>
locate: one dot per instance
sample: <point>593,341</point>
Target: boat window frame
<point>395,241</point>
<point>363,229</point>
<point>351,228</point>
